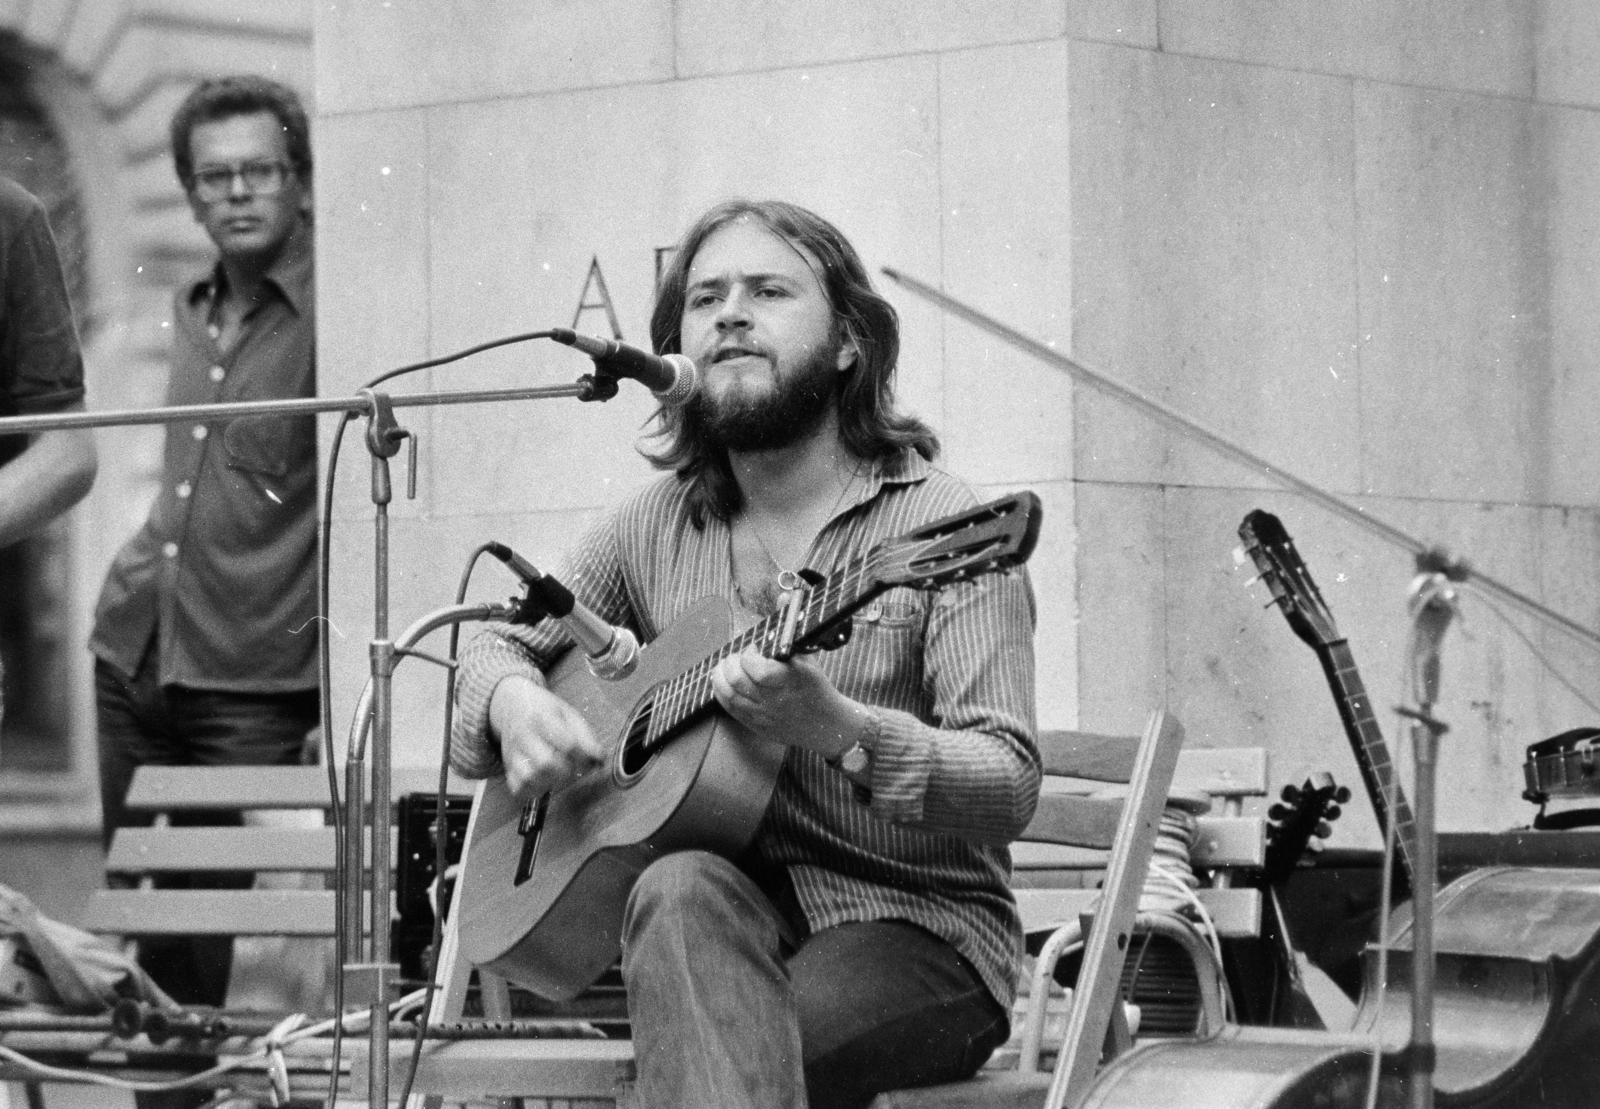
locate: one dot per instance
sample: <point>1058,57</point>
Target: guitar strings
<point>684,696</point>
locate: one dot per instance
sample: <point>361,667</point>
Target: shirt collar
<point>291,274</point>
<point>904,467</point>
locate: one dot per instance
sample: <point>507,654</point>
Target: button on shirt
<point>224,570</point>
<point>954,770</point>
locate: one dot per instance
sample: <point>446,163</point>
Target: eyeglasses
<point>213,183</point>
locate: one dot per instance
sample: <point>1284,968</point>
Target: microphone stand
<point>369,980</point>
<point>373,981</point>
<point>1432,604</point>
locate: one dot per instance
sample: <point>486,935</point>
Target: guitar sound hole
<point>636,751</point>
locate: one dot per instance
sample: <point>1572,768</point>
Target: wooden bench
<point>163,792</point>
<point>1054,883</point>
<point>567,1068</point>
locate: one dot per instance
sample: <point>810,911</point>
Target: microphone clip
<point>530,608</point>
<point>600,385</point>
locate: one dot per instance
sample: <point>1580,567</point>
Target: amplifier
<point>411,936</point>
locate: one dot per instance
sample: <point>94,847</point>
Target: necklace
<point>790,580</point>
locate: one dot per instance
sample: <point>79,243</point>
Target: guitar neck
<point>684,698</point>
<point>1372,753</point>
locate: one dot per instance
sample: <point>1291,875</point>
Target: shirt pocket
<point>882,664</point>
<point>269,445</point>
<point>891,611</point>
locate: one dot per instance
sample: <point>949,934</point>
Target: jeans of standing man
<point>731,1006</point>
<point>144,723</point>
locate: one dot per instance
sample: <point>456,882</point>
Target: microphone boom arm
<point>1227,448</point>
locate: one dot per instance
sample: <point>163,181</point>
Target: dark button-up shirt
<point>224,570</point>
<point>955,769</point>
<point>41,369</point>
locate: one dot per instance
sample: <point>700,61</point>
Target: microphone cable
<point>441,838</point>
<point>325,680</point>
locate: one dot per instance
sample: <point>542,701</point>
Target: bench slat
<point>1099,758</point>
<point>1223,771</point>
<point>1219,771</point>
<point>1230,841</point>
<point>1236,912</point>
<point>1075,821</point>
<point>185,850</point>
<point>211,912</point>
<point>1222,841</point>
<point>581,1070</point>
<point>188,788</point>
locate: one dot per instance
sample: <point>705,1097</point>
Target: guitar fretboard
<point>1372,753</point>
<point>685,697</point>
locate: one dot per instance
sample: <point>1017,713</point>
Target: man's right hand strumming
<point>544,743</point>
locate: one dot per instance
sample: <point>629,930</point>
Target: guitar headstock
<point>993,536</point>
<point>1299,822</point>
<point>1285,573</point>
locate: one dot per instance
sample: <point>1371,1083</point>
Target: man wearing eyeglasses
<point>205,638</point>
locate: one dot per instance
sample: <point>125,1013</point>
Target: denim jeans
<point>731,1006</point>
<point>142,723</point>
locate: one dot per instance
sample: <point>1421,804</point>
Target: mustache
<point>737,350</point>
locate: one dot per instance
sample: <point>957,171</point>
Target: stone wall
<point>1357,237</point>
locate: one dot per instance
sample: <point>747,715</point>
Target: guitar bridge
<point>531,828</point>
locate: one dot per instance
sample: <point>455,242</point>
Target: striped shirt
<point>955,770</point>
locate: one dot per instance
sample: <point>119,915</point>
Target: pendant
<point>789,580</point>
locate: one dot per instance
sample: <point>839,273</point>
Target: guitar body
<point>1247,1068</point>
<point>557,930</point>
<point>1516,992</point>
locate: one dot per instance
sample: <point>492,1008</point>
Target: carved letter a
<point>597,281</point>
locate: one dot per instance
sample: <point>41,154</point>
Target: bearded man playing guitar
<point>866,939</point>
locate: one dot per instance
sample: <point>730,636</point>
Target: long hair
<point>224,97</point>
<point>870,424</point>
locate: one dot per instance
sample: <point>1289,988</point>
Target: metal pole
<point>1432,604</point>
<point>297,406</point>
<point>1420,1053</point>
<point>383,439</point>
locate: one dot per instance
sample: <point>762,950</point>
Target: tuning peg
<point>1277,812</point>
<point>1324,829</point>
<point>1342,795</point>
<point>1290,793</point>
<point>1332,812</point>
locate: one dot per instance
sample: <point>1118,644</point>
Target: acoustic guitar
<point>1292,587</point>
<point>544,885</point>
<point>1301,994</point>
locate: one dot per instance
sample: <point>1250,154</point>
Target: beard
<point>794,409</point>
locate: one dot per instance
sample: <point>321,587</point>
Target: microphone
<point>671,377</point>
<point>613,652</point>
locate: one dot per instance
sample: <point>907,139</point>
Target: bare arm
<point>45,480</point>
